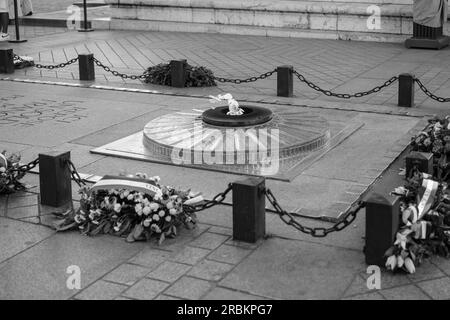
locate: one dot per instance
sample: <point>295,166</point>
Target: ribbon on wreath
<point>427,200</point>
<point>3,161</point>
<point>145,186</point>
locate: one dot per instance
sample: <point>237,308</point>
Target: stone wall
<point>295,18</point>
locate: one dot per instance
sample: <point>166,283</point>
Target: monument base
<point>424,43</point>
<point>326,19</point>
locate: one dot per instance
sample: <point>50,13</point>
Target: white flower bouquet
<point>131,212</point>
<point>9,175</point>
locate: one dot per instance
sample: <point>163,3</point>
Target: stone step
<point>323,19</point>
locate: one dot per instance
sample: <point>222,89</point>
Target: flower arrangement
<point>9,176</point>
<point>423,234</point>
<point>195,76</point>
<point>131,213</point>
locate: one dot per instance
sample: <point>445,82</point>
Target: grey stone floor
<point>206,263</point>
<point>343,66</point>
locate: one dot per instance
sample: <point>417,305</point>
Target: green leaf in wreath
<point>66,227</point>
<point>99,228</point>
<point>137,232</point>
<point>124,227</point>
<point>174,230</point>
<point>107,227</point>
<point>130,237</point>
<point>161,239</point>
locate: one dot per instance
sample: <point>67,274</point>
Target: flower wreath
<point>424,230</point>
<point>9,175</point>
<point>132,212</point>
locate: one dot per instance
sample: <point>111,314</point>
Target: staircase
<point>345,20</point>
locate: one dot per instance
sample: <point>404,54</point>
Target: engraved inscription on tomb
<point>16,110</point>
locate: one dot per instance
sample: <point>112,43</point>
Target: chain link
<point>248,80</point>
<point>429,93</point>
<point>218,199</point>
<point>75,175</point>
<point>118,74</point>
<point>345,95</point>
<point>56,66</point>
<point>49,67</point>
<point>319,232</point>
<point>22,169</point>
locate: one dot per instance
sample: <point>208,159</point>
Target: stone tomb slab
<point>133,146</point>
<point>338,176</point>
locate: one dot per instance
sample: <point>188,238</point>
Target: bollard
<point>406,90</point>
<point>6,61</point>
<point>285,83</point>
<point>87,25</point>
<point>55,178</point>
<point>86,66</point>
<point>422,160</point>
<point>382,221</point>
<point>178,73</point>
<point>16,23</point>
<point>249,209</point>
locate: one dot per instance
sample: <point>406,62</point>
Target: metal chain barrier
<point>428,92</point>
<point>345,95</point>
<point>302,78</point>
<point>49,67</point>
<point>248,80</point>
<point>21,170</point>
<point>218,199</point>
<point>56,66</point>
<point>75,175</point>
<point>118,74</point>
<point>318,232</point>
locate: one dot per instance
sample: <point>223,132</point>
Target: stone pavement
<point>342,66</point>
<point>206,263</point>
<point>200,264</point>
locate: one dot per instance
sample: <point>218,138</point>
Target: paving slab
<point>127,274</point>
<point>210,270</point>
<point>40,272</point>
<point>146,289</point>
<point>16,237</point>
<point>101,290</point>
<point>227,294</point>
<point>169,271</point>
<point>405,293</point>
<point>438,289</point>
<point>189,288</point>
<point>298,270</point>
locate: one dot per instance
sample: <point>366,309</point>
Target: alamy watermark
<point>374,20</point>
<point>74,19</point>
<point>73,281</point>
<point>374,280</point>
<point>231,146</point>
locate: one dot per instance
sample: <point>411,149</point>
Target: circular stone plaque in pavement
<point>188,138</point>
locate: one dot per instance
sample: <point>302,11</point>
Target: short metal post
<point>55,178</point>
<point>423,161</point>
<point>86,66</point>
<point>86,24</point>
<point>16,24</point>
<point>406,90</point>
<point>382,221</point>
<point>249,209</point>
<point>6,61</point>
<point>178,73</point>
<point>285,83</point>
